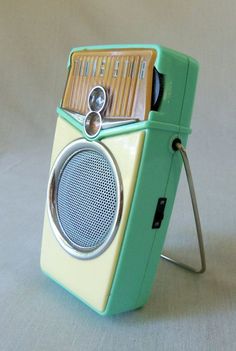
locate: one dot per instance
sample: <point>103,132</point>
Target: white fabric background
<point>185,312</point>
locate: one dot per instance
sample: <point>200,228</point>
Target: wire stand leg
<point>178,146</point>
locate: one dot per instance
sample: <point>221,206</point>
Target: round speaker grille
<point>84,198</point>
<point>87,198</point>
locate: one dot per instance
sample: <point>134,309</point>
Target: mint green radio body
<point>114,173</point>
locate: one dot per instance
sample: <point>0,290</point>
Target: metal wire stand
<point>179,147</point>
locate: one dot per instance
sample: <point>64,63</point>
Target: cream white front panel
<point>91,280</point>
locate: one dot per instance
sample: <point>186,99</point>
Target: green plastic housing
<point>158,176</point>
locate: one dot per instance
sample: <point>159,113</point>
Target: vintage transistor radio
<point>114,171</point>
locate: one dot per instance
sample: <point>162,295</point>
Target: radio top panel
<point>125,74</point>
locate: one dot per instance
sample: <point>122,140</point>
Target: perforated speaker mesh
<point>87,198</point>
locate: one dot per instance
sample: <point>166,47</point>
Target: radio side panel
<point>159,174</point>
<point>139,238</point>
<point>173,181</point>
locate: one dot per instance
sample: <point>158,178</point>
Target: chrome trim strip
<point>94,67</point>
<point>107,122</point>
<point>86,70</point>
<point>142,69</point>
<point>77,116</point>
<point>116,122</point>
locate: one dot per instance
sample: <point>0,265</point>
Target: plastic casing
<point>157,176</point>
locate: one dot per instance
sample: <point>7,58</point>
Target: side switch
<point>159,214</point>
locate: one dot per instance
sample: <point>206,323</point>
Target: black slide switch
<point>159,214</point>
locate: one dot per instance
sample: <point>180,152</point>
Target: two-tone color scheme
<point>114,173</point>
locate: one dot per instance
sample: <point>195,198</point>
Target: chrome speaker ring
<point>62,159</point>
